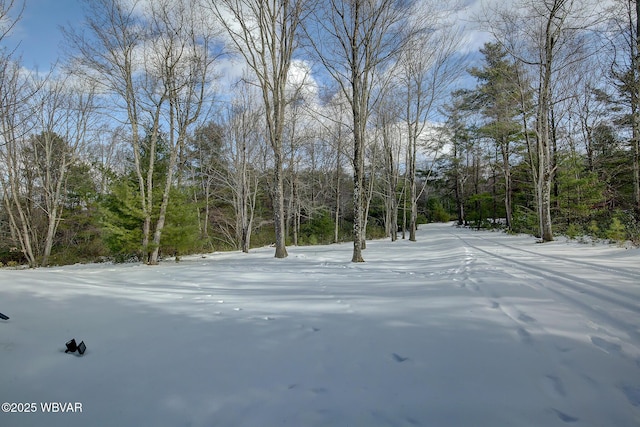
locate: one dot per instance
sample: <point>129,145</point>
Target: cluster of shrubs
<point>616,230</point>
<point>11,257</point>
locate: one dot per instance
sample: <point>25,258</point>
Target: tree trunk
<point>153,260</point>
<point>459,202</point>
<point>506,170</point>
<point>278,211</point>
<point>358,172</point>
<point>636,160</point>
<point>369,196</point>
<point>635,110</point>
<point>336,228</point>
<point>404,207</point>
<point>459,191</point>
<point>411,174</point>
<point>358,166</point>
<point>392,198</point>
<point>545,168</point>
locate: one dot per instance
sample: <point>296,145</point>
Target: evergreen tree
<point>181,232</point>
<point>497,99</point>
<point>581,192</point>
<point>123,218</point>
<point>458,134</point>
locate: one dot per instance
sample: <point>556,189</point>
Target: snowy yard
<point>461,328</point>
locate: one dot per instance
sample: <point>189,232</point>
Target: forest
<point>173,127</point>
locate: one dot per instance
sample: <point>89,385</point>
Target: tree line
<point>179,126</point>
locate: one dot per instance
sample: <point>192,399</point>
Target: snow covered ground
<point>461,328</point>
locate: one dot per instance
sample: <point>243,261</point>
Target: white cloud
<point>300,80</point>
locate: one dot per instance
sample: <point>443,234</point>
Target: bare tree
<point>15,111</point>
<point>299,137</point>
<point>45,122</point>
<point>333,119</point>
<point>428,66</point>
<point>387,123</point>
<point>184,54</point>
<point>16,91</point>
<point>155,62</point>
<point>107,153</point>
<point>590,109</point>
<point>540,35</point>
<point>110,51</point>
<point>293,148</point>
<point>10,14</point>
<point>64,113</point>
<point>355,40</point>
<point>265,34</point>
<point>242,143</point>
<point>626,72</point>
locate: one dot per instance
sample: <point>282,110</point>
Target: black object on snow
<point>3,317</point>
<point>72,347</point>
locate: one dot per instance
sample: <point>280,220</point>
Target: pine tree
<point>497,98</point>
<point>580,190</point>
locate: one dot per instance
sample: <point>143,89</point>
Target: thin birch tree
<point>264,32</point>
<point>153,61</point>
<point>108,50</point>
<point>185,57</point>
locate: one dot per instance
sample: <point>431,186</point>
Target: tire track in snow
<point>618,271</point>
<point>570,288</point>
<point>576,284</point>
<point>464,269</point>
<point>579,264</point>
<point>551,384</point>
<point>520,319</point>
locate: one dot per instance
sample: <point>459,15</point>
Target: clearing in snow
<point>461,328</point>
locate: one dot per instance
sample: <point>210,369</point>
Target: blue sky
<point>39,30</point>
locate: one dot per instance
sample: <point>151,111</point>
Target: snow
<point>462,328</point>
